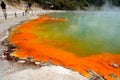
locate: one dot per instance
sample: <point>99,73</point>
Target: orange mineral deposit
<point>27,46</point>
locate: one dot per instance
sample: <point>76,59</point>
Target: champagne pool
<point>84,33</point>
<point>77,40</point>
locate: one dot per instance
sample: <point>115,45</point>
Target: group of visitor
<point>3,6</point>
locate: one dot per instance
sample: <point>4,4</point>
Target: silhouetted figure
<point>3,6</point>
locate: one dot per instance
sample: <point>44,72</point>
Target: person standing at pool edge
<point>3,6</point>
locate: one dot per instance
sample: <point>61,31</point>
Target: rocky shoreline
<point>29,60</point>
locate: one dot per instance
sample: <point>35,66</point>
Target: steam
<point>108,6</point>
<point>97,28</point>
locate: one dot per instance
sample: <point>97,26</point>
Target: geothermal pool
<point>84,33</point>
<point>81,41</point>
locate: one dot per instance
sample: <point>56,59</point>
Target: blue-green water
<point>84,33</point>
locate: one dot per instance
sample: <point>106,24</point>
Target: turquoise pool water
<point>85,33</point>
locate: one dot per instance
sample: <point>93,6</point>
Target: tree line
<point>71,4</point>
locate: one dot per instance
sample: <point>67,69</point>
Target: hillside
<point>65,4</point>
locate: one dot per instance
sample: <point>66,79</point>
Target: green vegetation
<point>70,4</point>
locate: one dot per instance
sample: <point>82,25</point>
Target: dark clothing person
<point>29,5</point>
<point>3,6</point>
